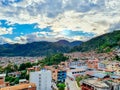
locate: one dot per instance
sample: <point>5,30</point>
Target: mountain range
<point>104,43</point>
<point>41,48</point>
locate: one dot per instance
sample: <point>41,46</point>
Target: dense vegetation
<point>61,86</point>
<point>22,68</point>
<point>12,68</point>
<point>103,43</point>
<point>116,58</point>
<point>37,48</point>
<point>53,60</point>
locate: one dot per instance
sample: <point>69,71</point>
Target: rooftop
<point>96,83</point>
<point>2,75</point>
<point>19,87</point>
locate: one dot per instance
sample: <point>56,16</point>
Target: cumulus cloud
<point>89,16</point>
<point>4,40</point>
<point>4,31</point>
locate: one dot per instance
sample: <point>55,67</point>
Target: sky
<point>26,21</point>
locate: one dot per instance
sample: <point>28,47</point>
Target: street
<point>72,85</point>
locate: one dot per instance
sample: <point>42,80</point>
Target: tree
<point>15,67</point>
<point>54,59</point>
<point>16,81</point>
<point>75,59</point>
<point>22,67</point>
<point>117,58</point>
<point>28,65</point>
<point>1,69</point>
<point>61,86</point>
<point>27,76</point>
<point>9,68</point>
<point>23,74</point>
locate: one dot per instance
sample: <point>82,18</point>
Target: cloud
<point>21,40</point>
<point>4,31</point>
<point>4,40</point>
<point>88,16</point>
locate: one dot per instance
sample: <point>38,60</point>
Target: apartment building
<point>42,79</point>
<point>61,76</point>
<point>58,74</point>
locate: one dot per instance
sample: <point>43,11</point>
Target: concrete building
<point>93,63</point>
<point>96,84</point>
<point>34,68</point>
<point>2,80</point>
<point>72,73</point>
<point>58,74</point>
<point>101,66</point>
<point>92,84</point>
<point>79,63</point>
<point>61,76</point>
<point>27,86</point>
<point>22,81</point>
<point>54,72</point>
<point>42,79</point>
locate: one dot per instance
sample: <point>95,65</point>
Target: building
<point>79,63</point>
<point>54,72</point>
<point>42,79</point>
<point>21,81</point>
<point>16,74</point>
<point>61,76</point>
<point>101,66</point>
<point>58,74</point>
<point>93,64</point>
<point>92,84</point>
<point>27,86</point>
<point>2,80</point>
<point>96,84</point>
<point>34,68</point>
<point>72,73</point>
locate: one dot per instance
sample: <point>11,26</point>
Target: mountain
<point>103,43</point>
<point>63,43</point>
<point>67,43</point>
<point>41,48</point>
<point>75,43</point>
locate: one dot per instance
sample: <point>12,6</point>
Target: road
<point>72,85</point>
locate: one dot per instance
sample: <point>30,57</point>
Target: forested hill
<point>103,43</point>
<point>41,48</point>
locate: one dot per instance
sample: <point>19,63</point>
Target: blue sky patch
<point>71,33</point>
<point>8,2</point>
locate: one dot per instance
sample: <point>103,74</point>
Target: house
<point>21,81</point>
<point>34,68</point>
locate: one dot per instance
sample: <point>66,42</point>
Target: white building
<point>42,79</point>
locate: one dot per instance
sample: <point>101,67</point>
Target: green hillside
<point>103,43</point>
